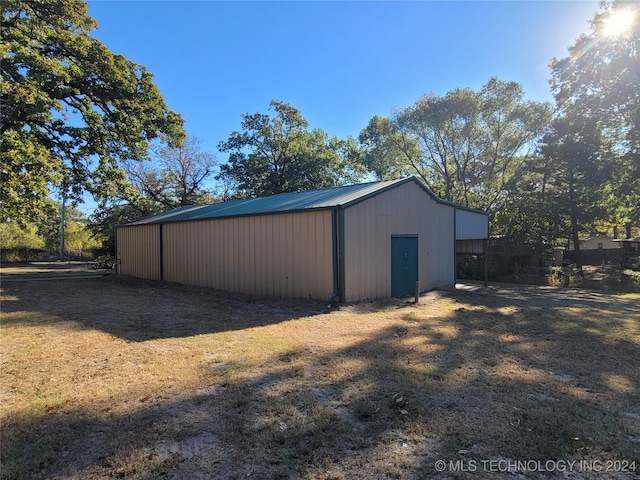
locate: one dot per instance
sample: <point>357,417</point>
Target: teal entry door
<point>404,265</point>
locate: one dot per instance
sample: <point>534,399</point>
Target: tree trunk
<point>576,240</point>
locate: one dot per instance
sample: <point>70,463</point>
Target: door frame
<point>417,263</point>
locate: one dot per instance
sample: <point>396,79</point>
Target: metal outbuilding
<point>350,243</point>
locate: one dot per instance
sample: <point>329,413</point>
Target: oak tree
<point>278,154</point>
<point>72,110</point>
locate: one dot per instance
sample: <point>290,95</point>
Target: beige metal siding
<point>138,251</point>
<point>280,255</point>
<point>405,210</point>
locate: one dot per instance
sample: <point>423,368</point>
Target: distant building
<point>596,242</point>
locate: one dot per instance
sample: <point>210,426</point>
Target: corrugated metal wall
<point>138,251</point>
<point>471,225</point>
<point>284,255</point>
<point>404,210</point>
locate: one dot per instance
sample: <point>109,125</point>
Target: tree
<point>599,80</point>
<point>173,177</point>
<point>177,176</point>
<point>576,170</point>
<point>13,235</point>
<point>279,154</point>
<point>46,234</point>
<point>109,215</point>
<point>466,146</point>
<point>389,152</point>
<point>72,110</point>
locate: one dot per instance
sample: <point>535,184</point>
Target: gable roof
<point>286,202</point>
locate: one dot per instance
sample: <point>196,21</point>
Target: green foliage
<point>467,146</point>
<point>13,235</point>
<point>388,152</point>
<point>634,275</point>
<point>110,214</point>
<point>45,234</point>
<point>105,262</point>
<point>532,222</point>
<point>279,154</point>
<point>599,80</point>
<point>71,109</point>
<point>575,169</point>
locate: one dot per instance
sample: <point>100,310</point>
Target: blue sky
<point>339,63</point>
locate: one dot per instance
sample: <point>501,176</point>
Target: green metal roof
<point>284,202</point>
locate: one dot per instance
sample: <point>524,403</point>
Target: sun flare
<point>618,22</point>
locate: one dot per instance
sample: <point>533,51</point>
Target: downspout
<point>455,246</point>
<point>335,245</point>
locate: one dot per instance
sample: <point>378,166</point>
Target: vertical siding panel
<point>253,237</point>
<point>194,242</point>
<point>223,255</point>
<point>308,245</point>
<point>181,249</point>
<point>210,271</point>
<point>231,274</point>
<point>246,256</point>
<point>241,259</point>
<point>319,240</point>
<point>406,209</point>
<point>250,241</point>
<point>268,246</point>
<point>199,255</point>
<point>226,255</point>
<point>177,250</point>
<point>289,292</point>
<point>237,260</point>
<point>169,252</point>
<point>216,250</point>
<point>169,255</point>
<point>279,255</point>
<point>299,238</point>
<point>177,253</point>
<point>196,254</point>
<point>326,260</point>
<point>261,257</point>
<point>283,255</point>
<point>187,252</point>
<point>267,261</point>
<point>172,246</point>
<point>138,250</point>
<point>228,243</point>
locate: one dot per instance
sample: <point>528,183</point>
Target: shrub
<point>105,262</point>
<point>633,275</point>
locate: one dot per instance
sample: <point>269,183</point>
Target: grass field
<point>115,377</point>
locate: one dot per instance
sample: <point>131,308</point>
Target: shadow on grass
<point>139,310</point>
<point>502,377</point>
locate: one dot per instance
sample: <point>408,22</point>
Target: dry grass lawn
<point>116,377</point>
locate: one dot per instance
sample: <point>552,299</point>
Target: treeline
<point>546,173</point>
